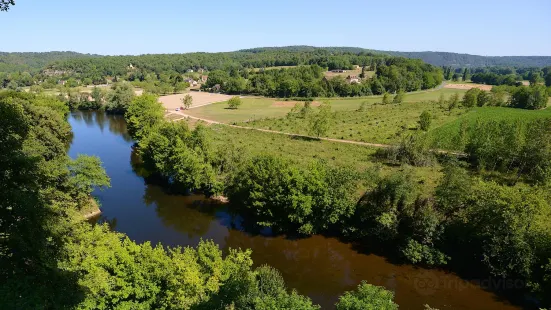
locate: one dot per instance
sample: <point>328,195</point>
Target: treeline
<point>501,229</point>
<point>52,258</point>
<point>34,62</point>
<point>394,75</point>
<point>522,97</point>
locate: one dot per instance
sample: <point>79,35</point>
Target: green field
<point>260,108</point>
<point>443,136</point>
<point>252,142</point>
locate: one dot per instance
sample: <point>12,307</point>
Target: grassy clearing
<point>443,136</point>
<point>261,108</point>
<point>304,151</point>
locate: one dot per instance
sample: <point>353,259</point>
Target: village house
<point>338,71</point>
<point>203,78</point>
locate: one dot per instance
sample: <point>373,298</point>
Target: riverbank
<point>91,210</point>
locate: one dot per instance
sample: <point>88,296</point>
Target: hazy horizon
<point>172,27</point>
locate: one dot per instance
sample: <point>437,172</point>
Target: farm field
<point>172,102</point>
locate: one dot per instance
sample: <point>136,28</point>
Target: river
<point>320,267</point>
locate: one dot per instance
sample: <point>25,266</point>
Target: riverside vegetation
<point>490,211</point>
<point>52,258</point>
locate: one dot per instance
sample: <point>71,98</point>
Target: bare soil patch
<point>171,102</point>
<point>290,104</point>
<point>469,86</point>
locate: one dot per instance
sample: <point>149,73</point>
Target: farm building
<point>353,79</point>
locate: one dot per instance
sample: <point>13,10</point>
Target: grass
<point>443,136</point>
<point>304,151</point>
<point>261,108</point>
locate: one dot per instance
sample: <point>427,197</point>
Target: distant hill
<point>10,62</point>
<point>434,58</point>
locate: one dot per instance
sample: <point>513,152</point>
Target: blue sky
<point>499,27</point>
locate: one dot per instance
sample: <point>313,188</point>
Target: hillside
<point>10,62</point>
<point>433,58</point>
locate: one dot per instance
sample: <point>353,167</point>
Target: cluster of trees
<point>393,75</point>
<point>52,258</point>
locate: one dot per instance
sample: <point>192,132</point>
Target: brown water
<point>320,267</point>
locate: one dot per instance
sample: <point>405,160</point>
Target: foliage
<point>286,197</point>
<point>187,101</point>
<point>413,150</point>
<point>425,120</point>
<point>321,121</point>
<point>86,174</point>
<point>143,113</point>
<point>234,102</point>
<point>119,98</point>
<point>470,98</point>
<point>534,97</point>
<point>367,297</point>
<point>386,98</point>
<point>399,97</point>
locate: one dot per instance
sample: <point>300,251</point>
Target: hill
<point>10,62</point>
<point>433,58</point>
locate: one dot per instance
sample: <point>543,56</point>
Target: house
<point>338,71</point>
<point>62,82</point>
<point>353,79</point>
<point>189,80</point>
<point>193,83</point>
<point>189,71</point>
<point>203,78</point>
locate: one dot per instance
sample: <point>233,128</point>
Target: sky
<point>114,27</point>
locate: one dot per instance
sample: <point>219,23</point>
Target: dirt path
<point>208,121</point>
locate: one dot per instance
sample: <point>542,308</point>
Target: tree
<point>470,98</point>
<point>119,97</point>
<point>143,113</point>
<point>466,75</point>
<point>534,78</point>
<point>548,79</point>
<point>453,102</point>
<point>386,98</point>
<point>234,102</point>
<point>399,97</point>
<point>425,120</point>
<point>441,101</point>
<point>98,96</point>
<point>187,101</point>
<point>321,121</point>
<point>5,4</point>
<point>87,174</point>
<point>367,297</point>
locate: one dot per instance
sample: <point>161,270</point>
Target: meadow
<point>304,151</point>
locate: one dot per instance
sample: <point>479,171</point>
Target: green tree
<point>399,97</point>
<point>466,75</point>
<point>86,174</point>
<point>320,122</point>
<point>119,98</point>
<point>386,98</point>
<point>453,102</point>
<point>98,96</point>
<point>548,79</point>
<point>187,101</point>
<point>470,98</point>
<point>425,120</point>
<point>534,78</point>
<point>143,113</point>
<point>234,102</point>
<point>367,297</point>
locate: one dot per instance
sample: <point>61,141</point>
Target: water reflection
<point>319,267</point>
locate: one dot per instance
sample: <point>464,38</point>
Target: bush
<point>425,120</point>
<point>234,102</point>
<point>367,297</point>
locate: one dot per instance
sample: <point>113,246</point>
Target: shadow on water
<point>322,267</point>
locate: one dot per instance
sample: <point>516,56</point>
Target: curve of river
<point>320,267</point>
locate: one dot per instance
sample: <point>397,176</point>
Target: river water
<point>320,267</point>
